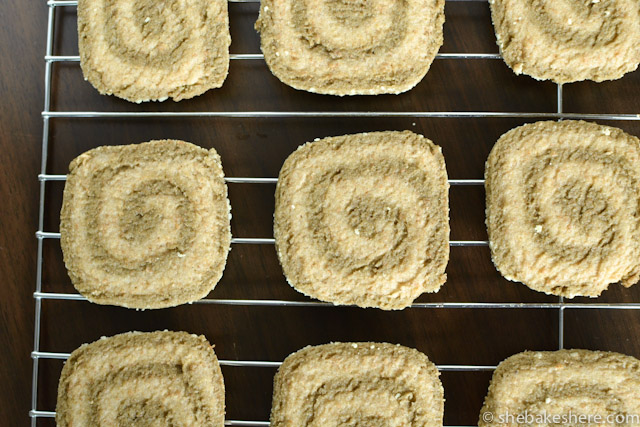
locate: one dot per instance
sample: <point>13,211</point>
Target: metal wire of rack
<point>47,115</point>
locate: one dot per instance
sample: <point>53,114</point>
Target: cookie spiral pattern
<point>567,40</point>
<point>364,219</point>
<point>146,225</point>
<point>563,205</point>
<point>150,51</point>
<point>372,384</point>
<point>564,384</point>
<point>157,378</point>
<point>347,47</point>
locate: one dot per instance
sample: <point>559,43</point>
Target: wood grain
<point>22,41</point>
<point>257,147</point>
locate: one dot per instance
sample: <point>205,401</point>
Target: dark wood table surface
<point>256,147</point>
<point>22,44</point>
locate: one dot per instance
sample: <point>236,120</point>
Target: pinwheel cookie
<point>562,207</point>
<point>145,50</point>
<point>364,219</point>
<point>146,225</point>
<point>357,384</point>
<point>157,378</point>
<point>568,40</point>
<point>566,387</point>
<point>340,47</point>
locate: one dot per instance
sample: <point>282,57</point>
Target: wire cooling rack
<point>48,115</point>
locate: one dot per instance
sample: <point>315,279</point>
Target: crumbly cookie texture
<point>155,378</point>
<point>363,219</point>
<point>562,207</point>
<point>357,384</point>
<point>341,47</point>
<point>565,385</point>
<point>567,40</point>
<point>145,225</point>
<point>143,50</point>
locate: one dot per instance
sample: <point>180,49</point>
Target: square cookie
<point>145,50</point>
<point>566,387</point>
<point>357,384</point>
<point>364,219</point>
<point>145,225</point>
<point>567,40</point>
<point>562,207</point>
<point>136,378</point>
<point>341,47</point>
